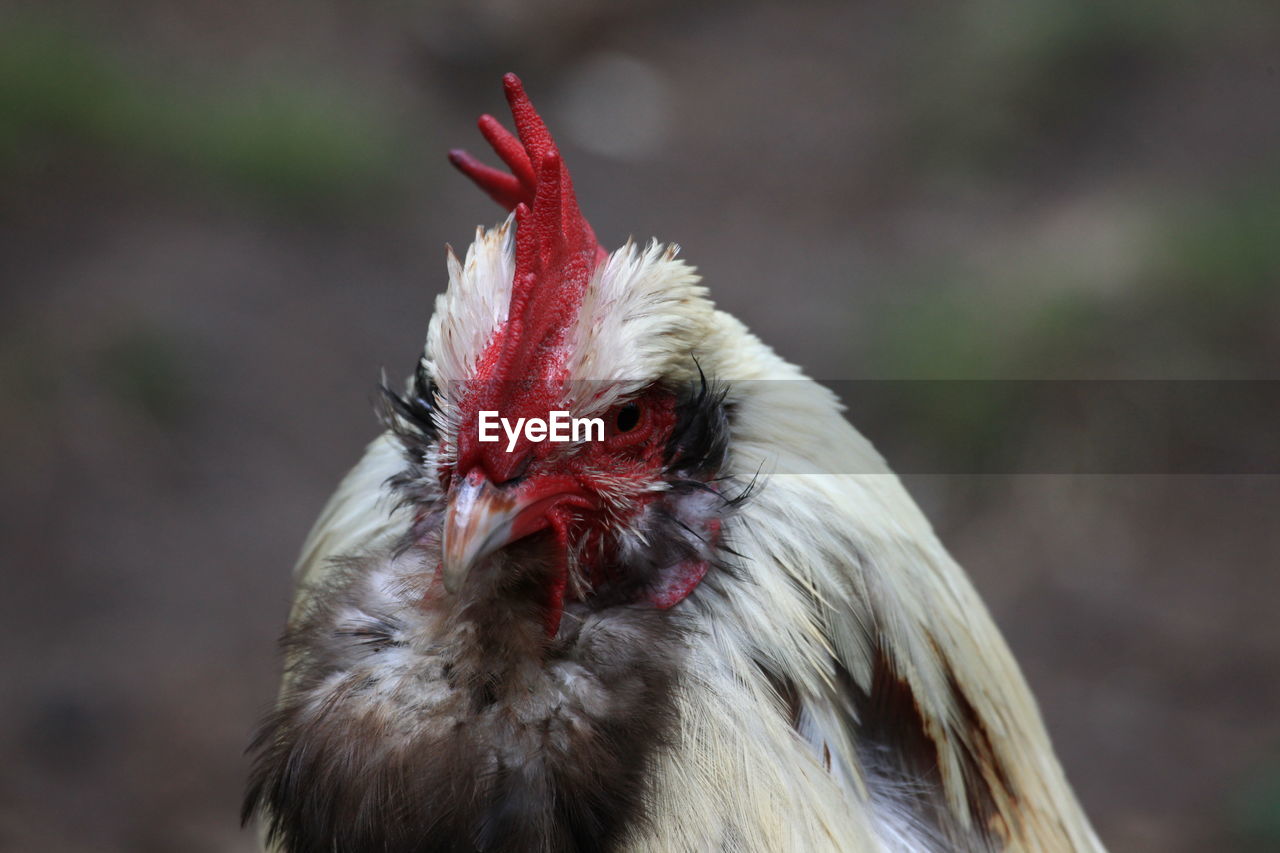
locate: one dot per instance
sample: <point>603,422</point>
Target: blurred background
<point>218,222</point>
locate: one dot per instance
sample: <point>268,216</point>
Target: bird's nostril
<point>520,469</point>
<point>505,469</point>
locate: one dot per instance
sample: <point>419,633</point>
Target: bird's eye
<point>628,417</point>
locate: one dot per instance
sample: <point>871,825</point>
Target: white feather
<point>835,556</point>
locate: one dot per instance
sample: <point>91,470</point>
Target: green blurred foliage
<point>290,144</point>
<point>1255,812</point>
<point>1003,77</point>
<point>1011,87</point>
<point>1201,299</point>
<point>150,372</point>
<point>1225,253</point>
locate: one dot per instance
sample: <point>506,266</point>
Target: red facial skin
<point>579,496</point>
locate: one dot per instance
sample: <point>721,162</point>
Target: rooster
<point>681,634</point>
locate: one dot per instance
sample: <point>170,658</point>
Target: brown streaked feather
<point>898,749</point>
<point>485,750</point>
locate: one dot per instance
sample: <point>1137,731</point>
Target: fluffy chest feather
<point>409,725</point>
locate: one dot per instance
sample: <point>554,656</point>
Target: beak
<point>482,518</point>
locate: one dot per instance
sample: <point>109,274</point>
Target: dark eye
<point>628,417</point>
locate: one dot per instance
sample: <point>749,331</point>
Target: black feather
<point>699,442</point>
<point>411,416</point>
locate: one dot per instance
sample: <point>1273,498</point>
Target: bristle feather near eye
<point>700,439</point>
<point>411,416</point>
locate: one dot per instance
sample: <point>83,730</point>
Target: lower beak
<point>482,517</point>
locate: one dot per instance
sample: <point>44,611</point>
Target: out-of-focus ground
<point>219,221</point>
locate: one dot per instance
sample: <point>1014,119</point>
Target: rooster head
<point>540,319</point>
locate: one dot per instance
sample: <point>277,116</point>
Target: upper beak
<point>482,517</point>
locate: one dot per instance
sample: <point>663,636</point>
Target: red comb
<point>524,155</point>
<point>556,253</point>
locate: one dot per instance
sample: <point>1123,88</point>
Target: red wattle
<point>683,578</point>
<point>554,608</point>
<point>677,583</point>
